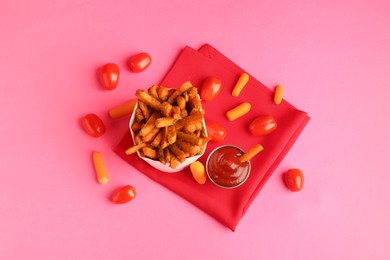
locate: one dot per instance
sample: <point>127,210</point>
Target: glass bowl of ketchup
<point>224,168</point>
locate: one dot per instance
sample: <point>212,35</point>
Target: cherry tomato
<point>110,76</point>
<point>293,179</point>
<point>139,62</point>
<point>210,88</point>
<point>215,131</point>
<point>124,194</point>
<point>262,125</point>
<point>93,125</point>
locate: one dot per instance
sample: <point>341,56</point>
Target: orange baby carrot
<point>100,169</point>
<point>241,82</point>
<point>123,109</point>
<point>198,172</point>
<point>251,153</point>
<point>278,94</point>
<point>238,111</point>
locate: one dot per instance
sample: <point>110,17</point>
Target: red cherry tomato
<point>124,195</point>
<point>139,62</point>
<point>262,125</point>
<point>215,131</point>
<point>110,76</point>
<point>210,88</point>
<point>93,125</point>
<point>293,179</point>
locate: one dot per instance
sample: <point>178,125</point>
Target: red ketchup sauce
<point>225,169</point>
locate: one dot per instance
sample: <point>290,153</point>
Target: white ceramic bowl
<point>165,167</point>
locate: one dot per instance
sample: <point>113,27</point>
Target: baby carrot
<point>100,169</point>
<point>238,111</point>
<point>251,153</point>
<point>278,94</point>
<point>123,109</point>
<point>241,82</point>
<point>198,172</point>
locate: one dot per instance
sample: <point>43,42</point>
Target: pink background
<point>333,57</point>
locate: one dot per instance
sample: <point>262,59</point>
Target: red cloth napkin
<point>226,205</point>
